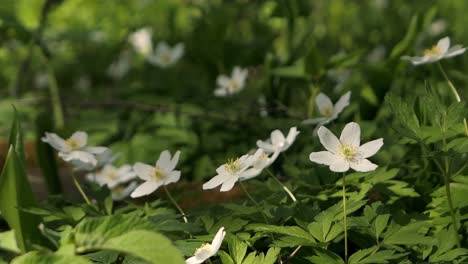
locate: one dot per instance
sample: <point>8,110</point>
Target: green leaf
<point>323,256</point>
<point>403,45</point>
<point>370,256</point>
<point>272,255</point>
<point>237,249</point>
<point>8,241</point>
<point>380,224</point>
<point>47,258</point>
<point>225,258</point>
<point>409,234</point>
<point>294,71</point>
<point>293,231</point>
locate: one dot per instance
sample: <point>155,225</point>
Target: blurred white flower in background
<point>208,250</point>
<point>120,67</point>
<point>165,55</point>
<point>346,152</point>
<point>326,108</point>
<point>277,141</point>
<point>438,52</point>
<point>112,176</point>
<point>437,27</point>
<point>230,172</point>
<point>162,173</point>
<point>123,191</point>
<point>141,41</point>
<point>229,85</point>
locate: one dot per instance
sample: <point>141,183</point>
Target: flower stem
<point>286,189</point>
<point>254,202</point>
<point>175,204</point>
<point>454,91</point>
<point>345,220</point>
<point>78,186</point>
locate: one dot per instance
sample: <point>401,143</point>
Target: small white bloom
<point>121,192</point>
<point>262,161</point>
<point>141,41</point>
<point>277,142</point>
<point>326,108</point>
<point>231,85</point>
<point>112,176</point>
<point>78,140</point>
<point>119,67</point>
<point>346,152</point>
<point>230,172</point>
<point>165,56</point>
<point>438,52</point>
<point>207,250</point>
<point>437,27</point>
<point>162,173</point>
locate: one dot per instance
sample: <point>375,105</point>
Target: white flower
<point>119,67</point>
<point>326,108</point>
<point>121,192</point>
<point>103,157</point>
<point>141,41</point>
<point>262,161</point>
<point>112,176</point>
<point>230,172</point>
<point>207,250</point>
<point>166,56</point>
<point>277,142</point>
<point>162,173</point>
<point>346,152</point>
<point>438,52</point>
<point>231,85</point>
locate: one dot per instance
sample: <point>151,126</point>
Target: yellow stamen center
<point>347,151</point>
<point>232,86</point>
<point>166,57</point>
<point>433,52</point>
<point>72,143</point>
<point>158,173</point>
<point>232,165</point>
<point>327,111</point>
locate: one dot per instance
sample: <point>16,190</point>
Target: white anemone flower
<point>162,173</point>
<point>438,52</point>
<point>277,142</point>
<point>121,192</point>
<point>230,172</point>
<point>231,85</point>
<point>141,41</point>
<point>207,250</point>
<point>346,152</point>
<point>326,108</point>
<point>165,55</point>
<point>262,161</point>
<point>112,176</point>
<point>103,157</point>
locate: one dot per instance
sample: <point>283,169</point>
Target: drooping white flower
<point>141,41</point>
<point>121,192</point>
<point>112,176</point>
<point>162,173</point>
<point>326,108</point>
<point>233,84</point>
<point>207,250</point>
<point>262,161</point>
<point>277,142</point>
<point>346,152</point>
<point>438,52</point>
<point>229,173</point>
<point>166,56</point>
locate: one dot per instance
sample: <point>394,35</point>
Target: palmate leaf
<point>371,255</point>
<point>130,234</point>
<point>16,193</point>
<point>410,234</point>
<point>35,257</point>
<point>445,247</point>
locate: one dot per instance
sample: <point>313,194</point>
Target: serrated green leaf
<point>225,258</point>
<point>237,249</point>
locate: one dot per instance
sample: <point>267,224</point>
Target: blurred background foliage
<point>293,49</point>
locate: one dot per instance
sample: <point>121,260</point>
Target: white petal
<point>266,146</point>
<point>174,176</point>
<point>216,181</point>
<point>194,260</point>
<point>342,103</point>
<point>239,75</point>
<point>162,47</point>
<point>340,165</point>
<point>96,150</point>
<point>454,51</point>
<point>174,161</point>
<point>164,160</point>
<point>77,156</point>
<point>144,171</point>
<point>328,139</point>
<point>250,173</point>
<point>444,44</point>
<point>323,103</point>
<point>370,148</point>
<point>351,134</point>
<point>223,81</point>
<point>177,51</point>
<point>145,189</point>
<point>277,137</point>
<point>218,240</point>
<point>363,165</point>
<point>80,137</point>
<point>229,183</point>
<point>323,157</point>
<point>292,135</point>
<point>56,142</point>
<point>221,91</point>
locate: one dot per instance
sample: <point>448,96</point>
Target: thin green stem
<point>254,202</point>
<point>175,204</point>
<point>78,186</point>
<point>345,223</point>
<point>454,91</point>
<point>286,189</point>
